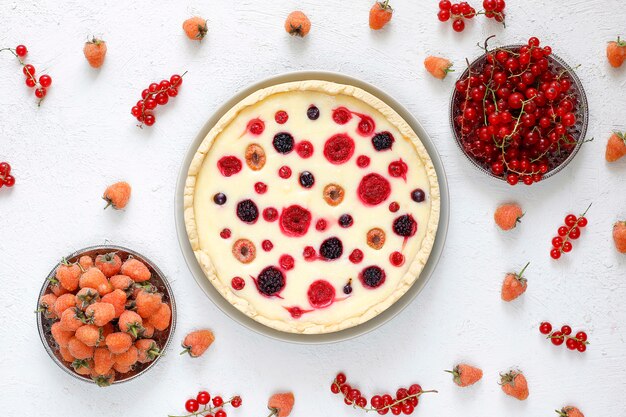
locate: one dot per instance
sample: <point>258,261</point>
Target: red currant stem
<point>209,409</point>
<point>585,212</point>
<point>150,95</point>
<point>494,14</point>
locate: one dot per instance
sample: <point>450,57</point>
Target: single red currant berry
<point>563,231</point>
<point>176,80</point>
<point>28,70</point>
<point>340,378</point>
<point>376,401</point>
<point>164,85</point>
<point>354,394</point>
<point>557,338</point>
<point>225,233</point>
<point>574,233</point>
<point>237,283</point>
<point>458,25</point>
<point>356,256</point>
<point>545,327</point>
<point>284,172</point>
<point>582,336</point>
<point>443,15</point>
<point>308,253</point>
<point>414,389</point>
<point>135,111</point>
<point>533,42</point>
<point>321,225</point>
<point>407,408</point>
<point>571,344</point>
<point>172,92</point>
<point>203,397</point>
<point>217,401</point>
<point>30,82</point>
<point>286,262</point>
<point>396,258</point>
<point>396,410</point>
<point>192,405</point>
<point>220,413</point>
<point>445,5</point>
<point>9,180</point>
<point>582,222</point>
<point>581,347</point>
<point>21,51</point>
<point>162,99</point>
<point>236,402</point>
<point>260,188</point>
<point>267,245</point>
<point>566,330</point>
<point>150,103</point>
<point>281,117</point>
<point>152,88</point>
<point>334,388</point>
<point>567,246</point>
<point>394,206</point>
<point>149,119</point>
<point>570,220</point>
<point>361,402</point>
<point>557,242</point>
<point>512,179</point>
<point>5,168</point>
<point>45,80</point>
<point>270,214</point>
<point>40,92</point>
<point>363,161</point>
<point>555,253</point>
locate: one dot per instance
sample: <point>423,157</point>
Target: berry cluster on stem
<point>564,335</point>
<point>571,231</point>
<point>458,12</point>
<point>157,94</point>
<point>41,85</point>
<point>405,402</point>
<point>205,406</point>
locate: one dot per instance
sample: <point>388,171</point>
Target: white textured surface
<point>83,137</point>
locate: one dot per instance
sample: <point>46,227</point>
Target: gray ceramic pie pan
<point>352,332</point>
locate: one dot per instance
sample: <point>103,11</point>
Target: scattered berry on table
<point>29,71</point>
<point>465,375</point>
<point>514,383</point>
<point>380,14</point>
<point>195,28</point>
<point>615,147</point>
<point>197,342</point>
<point>564,335</point>
<point>438,67</point>
<point>117,195</point>
<point>616,52</point>
<point>514,285</point>
<point>95,51</point>
<point>297,24</point>
<point>619,236</point>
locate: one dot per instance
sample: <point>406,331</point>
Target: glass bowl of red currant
<point>519,113</point>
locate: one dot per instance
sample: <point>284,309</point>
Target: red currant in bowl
<point>520,115</point>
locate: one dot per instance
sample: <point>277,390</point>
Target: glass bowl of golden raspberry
<point>105,314</point>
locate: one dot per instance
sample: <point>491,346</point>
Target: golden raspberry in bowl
<point>105,314</point>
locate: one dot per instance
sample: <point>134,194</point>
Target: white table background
<point>83,138</point>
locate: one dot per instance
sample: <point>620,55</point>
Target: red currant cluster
<point>571,231</point>
<point>578,342</point>
<point>210,408</point>
<point>404,403</point>
<point>156,94</point>
<point>460,11</point>
<point>494,9</point>
<point>45,80</point>
<point>5,175</point>
<point>515,115</point>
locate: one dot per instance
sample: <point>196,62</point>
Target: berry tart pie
<point>311,206</point>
